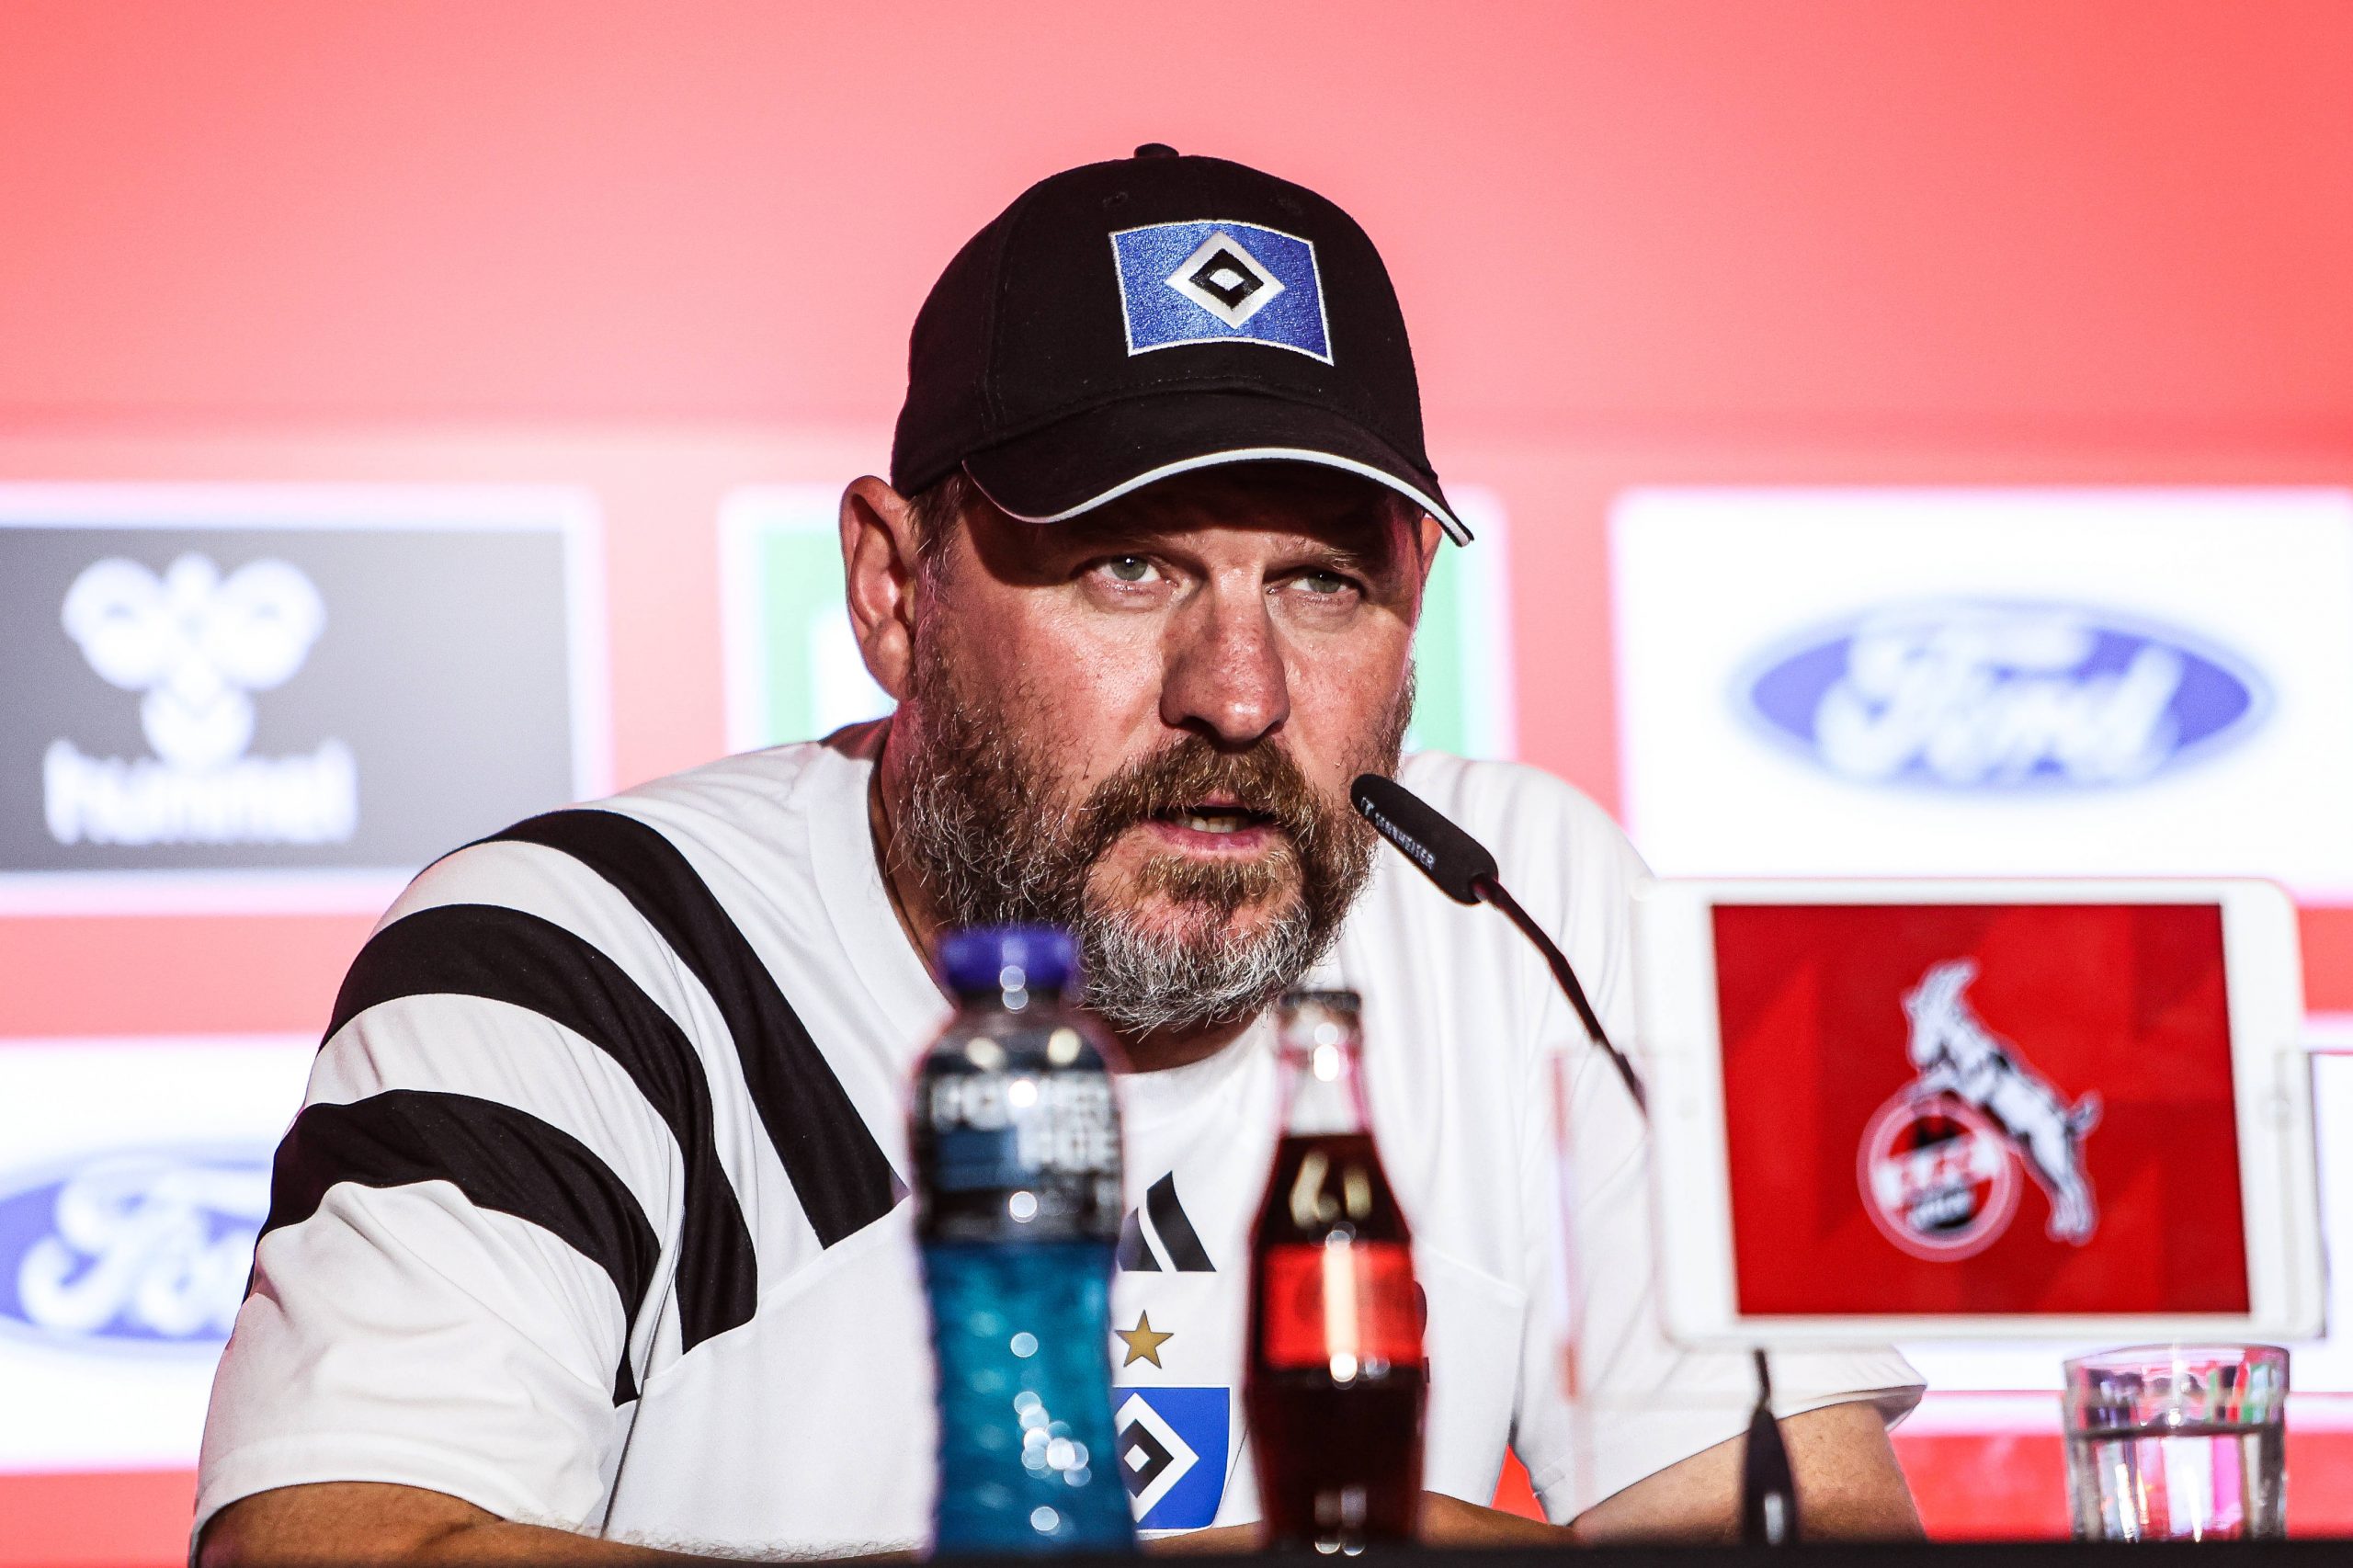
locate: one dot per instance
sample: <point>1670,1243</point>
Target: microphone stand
<point>1769,1504</point>
<point>1769,1492</point>
<point>1465,871</point>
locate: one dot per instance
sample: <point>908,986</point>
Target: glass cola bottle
<point>1337,1384</point>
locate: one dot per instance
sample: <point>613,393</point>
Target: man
<point>594,1222</point>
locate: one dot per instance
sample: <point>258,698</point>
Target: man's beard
<point>980,829</point>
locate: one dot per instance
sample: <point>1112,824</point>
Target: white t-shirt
<point>594,1214</point>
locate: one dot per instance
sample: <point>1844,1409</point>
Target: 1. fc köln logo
<point>1940,1161</point>
<point>1937,1177</point>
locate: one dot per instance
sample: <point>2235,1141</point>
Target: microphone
<point>1465,871</point>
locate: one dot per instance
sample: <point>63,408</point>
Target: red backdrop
<point>663,249</point>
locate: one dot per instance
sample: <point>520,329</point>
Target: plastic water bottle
<point>1016,1136</point>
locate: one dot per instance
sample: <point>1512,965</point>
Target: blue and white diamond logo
<point>1220,282</point>
<point>1226,280</point>
<point>1170,1447</point>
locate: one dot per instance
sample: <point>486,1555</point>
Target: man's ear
<point>1423,537</point>
<point>1429,535</point>
<point>879,566</point>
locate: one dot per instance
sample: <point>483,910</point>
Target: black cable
<point>1492,892</point>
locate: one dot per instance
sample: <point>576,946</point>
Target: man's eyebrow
<point>1098,534</point>
<point>1344,558</point>
<point>1379,550</point>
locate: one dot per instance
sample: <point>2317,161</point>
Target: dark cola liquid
<point>1337,1384</point>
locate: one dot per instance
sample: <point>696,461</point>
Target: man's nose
<point>1225,675</point>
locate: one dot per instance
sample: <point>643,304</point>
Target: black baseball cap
<point>1128,321</point>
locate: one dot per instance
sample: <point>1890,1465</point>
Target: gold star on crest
<point>1143,1343</point>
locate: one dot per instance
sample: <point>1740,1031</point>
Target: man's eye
<point>1128,569</point>
<point>1324,582</point>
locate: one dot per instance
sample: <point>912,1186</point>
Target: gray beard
<point>976,831</point>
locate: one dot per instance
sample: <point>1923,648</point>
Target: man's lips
<point>1215,827</point>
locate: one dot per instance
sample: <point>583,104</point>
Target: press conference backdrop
<point>1912,447</point>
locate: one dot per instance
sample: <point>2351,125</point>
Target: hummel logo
<point>1158,1237</point>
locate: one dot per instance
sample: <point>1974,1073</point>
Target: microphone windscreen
<point>1450,856</point>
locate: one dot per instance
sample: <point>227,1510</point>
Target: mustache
<point>1262,780</point>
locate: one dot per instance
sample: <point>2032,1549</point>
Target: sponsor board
<point>285,696</point>
<point>1988,681</point>
<point>1464,700</point>
<point>135,1175</point>
<point>794,672</point>
<point>794,668</point>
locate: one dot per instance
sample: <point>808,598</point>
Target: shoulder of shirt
<point>1511,802</point>
<point>751,785</point>
<point>761,793</point>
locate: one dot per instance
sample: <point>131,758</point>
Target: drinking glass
<point>2177,1442</point>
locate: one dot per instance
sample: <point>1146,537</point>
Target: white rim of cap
<point>1446,519</point>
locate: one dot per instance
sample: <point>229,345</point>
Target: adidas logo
<point>1158,1238</point>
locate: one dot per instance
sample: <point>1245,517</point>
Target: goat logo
<point>1940,1160</point>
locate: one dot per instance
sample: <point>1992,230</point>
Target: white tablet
<point>1960,1109</point>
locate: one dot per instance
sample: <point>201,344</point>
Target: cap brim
<point>1076,464</point>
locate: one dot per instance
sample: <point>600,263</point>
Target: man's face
<point>1142,723</point>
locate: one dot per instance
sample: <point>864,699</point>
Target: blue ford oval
<point>132,1247</point>
<point>1990,694</point>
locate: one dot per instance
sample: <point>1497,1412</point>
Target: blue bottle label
<point>1016,1155</point>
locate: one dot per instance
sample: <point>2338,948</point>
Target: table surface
<point>1925,1554</point>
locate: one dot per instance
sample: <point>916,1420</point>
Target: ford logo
<point>1991,695</point>
<point>133,1248</point>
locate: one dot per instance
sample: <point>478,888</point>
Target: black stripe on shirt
<point>501,1158</point>
<point>507,955</point>
<point>837,1169</point>
<point>1176,1230</point>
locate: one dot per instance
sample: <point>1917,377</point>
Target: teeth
<point>1221,822</point>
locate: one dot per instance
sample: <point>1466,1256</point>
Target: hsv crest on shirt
<point>1220,282</point>
<point>1171,1447</point>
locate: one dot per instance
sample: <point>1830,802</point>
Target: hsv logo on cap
<point>1220,282</point>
